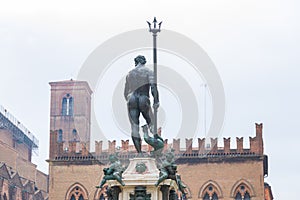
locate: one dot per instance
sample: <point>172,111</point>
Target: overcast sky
<point>254,45</point>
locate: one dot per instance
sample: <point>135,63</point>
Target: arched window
<point>4,196</point>
<point>64,106</point>
<point>238,196</point>
<point>242,193</point>
<point>71,106</point>
<point>247,196</point>
<point>210,193</point>
<point>67,105</point>
<point>214,196</point>
<point>60,135</point>
<point>206,196</point>
<point>77,192</point>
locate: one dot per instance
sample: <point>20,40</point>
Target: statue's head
<point>140,59</point>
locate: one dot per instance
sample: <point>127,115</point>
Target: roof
<point>72,82</point>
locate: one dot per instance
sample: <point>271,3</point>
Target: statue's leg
<point>146,135</point>
<point>144,106</point>
<point>102,182</point>
<point>136,138</point>
<point>163,176</point>
<point>119,179</point>
<point>134,114</point>
<point>180,184</point>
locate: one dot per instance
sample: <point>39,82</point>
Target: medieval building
<point>19,177</point>
<point>210,172</point>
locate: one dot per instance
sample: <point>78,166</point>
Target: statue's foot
<point>151,127</point>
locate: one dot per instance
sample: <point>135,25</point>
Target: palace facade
<point>210,172</point>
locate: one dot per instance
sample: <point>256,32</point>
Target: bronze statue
<point>136,92</point>
<point>114,172</point>
<point>168,170</point>
<point>156,141</point>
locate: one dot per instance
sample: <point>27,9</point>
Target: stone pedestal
<point>142,172</point>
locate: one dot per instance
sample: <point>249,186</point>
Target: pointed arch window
<point>210,193</point>
<point>242,193</point>
<point>67,105</point>
<point>206,196</point>
<point>214,196</point>
<point>238,196</point>
<point>77,193</point>
<point>71,105</point>
<point>247,196</point>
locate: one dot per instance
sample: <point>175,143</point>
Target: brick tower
<point>70,117</point>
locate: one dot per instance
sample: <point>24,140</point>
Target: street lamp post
<point>154,32</point>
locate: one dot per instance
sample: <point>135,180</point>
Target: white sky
<point>253,43</point>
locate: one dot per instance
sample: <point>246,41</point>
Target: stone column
<point>165,192</point>
<point>172,195</point>
<point>113,193</point>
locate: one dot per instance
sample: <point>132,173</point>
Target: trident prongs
<point>154,30</point>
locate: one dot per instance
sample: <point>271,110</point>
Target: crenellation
<point>125,145</point>
<point>239,144</point>
<point>226,145</point>
<point>201,145</point>
<point>98,147</point>
<point>76,147</point>
<point>214,145</point>
<point>84,150</point>
<point>111,146</point>
<point>189,145</point>
<point>72,147</point>
<point>256,143</point>
<point>176,145</point>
